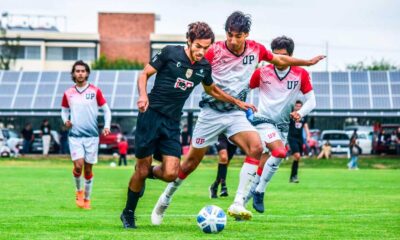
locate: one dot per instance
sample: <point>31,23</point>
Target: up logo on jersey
<point>183,84</point>
<point>90,96</point>
<point>292,84</point>
<point>248,59</point>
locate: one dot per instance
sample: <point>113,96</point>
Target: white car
<point>364,140</point>
<point>338,140</point>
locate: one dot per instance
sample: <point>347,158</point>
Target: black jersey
<point>175,80</point>
<point>296,128</point>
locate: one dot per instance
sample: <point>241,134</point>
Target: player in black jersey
<point>179,69</point>
<point>295,139</point>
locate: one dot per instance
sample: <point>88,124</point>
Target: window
<point>70,53</point>
<point>86,54</point>
<point>54,53</point>
<point>32,52</point>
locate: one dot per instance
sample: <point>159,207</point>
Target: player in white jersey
<point>280,87</point>
<point>232,61</point>
<point>79,112</point>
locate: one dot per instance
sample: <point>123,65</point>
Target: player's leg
<point>88,175</point>
<point>263,160</point>
<point>222,147</point>
<point>231,152</point>
<point>91,146</point>
<point>296,149</point>
<point>78,158</point>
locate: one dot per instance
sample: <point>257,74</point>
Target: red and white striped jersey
<point>84,109</point>
<point>278,95</point>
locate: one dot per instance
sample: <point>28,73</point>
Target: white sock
<point>254,184</point>
<point>88,188</point>
<point>246,177</point>
<point>172,187</point>
<point>78,183</point>
<point>270,167</point>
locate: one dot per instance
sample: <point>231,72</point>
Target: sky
<point>347,31</point>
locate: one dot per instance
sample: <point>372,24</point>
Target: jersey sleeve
<point>64,102</point>
<point>265,55</point>
<point>100,98</point>
<point>209,56</point>
<point>160,58</point>
<point>255,79</point>
<point>305,82</point>
<point>208,78</point>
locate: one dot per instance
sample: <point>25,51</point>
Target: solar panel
<point>340,77</point>
<point>26,89</point>
<point>359,89</point>
<point>7,88</point>
<point>49,77</point>
<point>361,103</point>
<point>106,77</point>
<point>5,102</point>
<point>340,89</point>
<point>395,88</point>
<point>43,102</point>
<point>46,89</point>
<point>378,77</point>
<point>124,89</point>
<point>381,102</point>
<point>380,89</point>
<point>10,77</point>
<point>22,102</point>
<point>396,102</point>
<point>62,87</point>
<point>29,77</point>
<point>106,88</point>
<point>127,76</point>
<point>323,102</point>
<point>341,103</point>
<point>321,88</point>
<point>122,103</point>
<point>359,77</point>
<point>394,77</point>
<point>65,77</point>
<point>320,77</point>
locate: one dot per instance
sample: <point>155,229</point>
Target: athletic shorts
<point>212,123</point>
<point>157,135</point>
<point>224,144</point>
<point>270,133</point>
<point>296,145</point>
<point>84,147</point>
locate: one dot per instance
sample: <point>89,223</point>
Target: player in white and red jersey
<point>233,61</point>
<point>280,87</point>
<point>79,112</point>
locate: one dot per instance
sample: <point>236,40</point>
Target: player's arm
<point>101,102</point>
<point>307,131</point>
<point>218,94</point>
<point>143,100</point>
<point>310,102</point>
<point>65,112</point>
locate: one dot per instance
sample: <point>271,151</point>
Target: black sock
<point>222,171</point>
<point>132,200</point>
<point>223,183</point>
<point>295,167</point>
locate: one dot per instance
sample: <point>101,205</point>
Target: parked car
<point>37,144</point>
<point>6,135</point>
<point>364,140</point>
<point>338,139</point>
<point>386,146</point>
<point>109,143</point>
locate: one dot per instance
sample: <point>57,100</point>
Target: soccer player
<point>233,61</point>
<point>279,86</point>
<point>226,150</point>
<point>295,139</point>
<point>179,69</point>
<point>79,112</point>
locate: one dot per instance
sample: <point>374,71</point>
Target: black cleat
<point>213,191</point>
<point>258,202</point>
<point>128,219</point>
<point>224,192</point>
<point>294,179</point>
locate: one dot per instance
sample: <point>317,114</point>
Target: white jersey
<point>278,95</point>
<point>84,107</point>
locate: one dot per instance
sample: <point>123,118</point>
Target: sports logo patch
<point>183,84</point>
<point>189,73</point>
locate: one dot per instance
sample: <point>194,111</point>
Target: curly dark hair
<point>79,63</point>
<point>238,22</point>
<point>200,30</point>
<point>283,42</point>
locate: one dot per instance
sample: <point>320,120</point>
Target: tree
<point>104,63</point>
<point>381,65</point>
<point>8,49</point>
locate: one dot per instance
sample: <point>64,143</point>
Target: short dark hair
<point>79,63</point>
<point>200,30</point>
<point>283,42</point>
<point>238,22</point>
<point>299,102</point>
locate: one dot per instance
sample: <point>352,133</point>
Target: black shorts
<point>296,145</point>
<point>157,134</point>
<point>224,144</point>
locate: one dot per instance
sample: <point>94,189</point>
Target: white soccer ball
<point>211,219</point>
<point>113,164</point>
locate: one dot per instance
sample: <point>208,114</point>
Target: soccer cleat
<point>224,192</point>
<point>294,179</point>
<point>159,209</point>
<point>86,204</point>
<point>258,202</point>
<point>128,219</point>
<point>239,212</point>
<point>79,198</point>
<point>213,189</point>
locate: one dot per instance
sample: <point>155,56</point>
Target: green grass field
<point>331,202</point>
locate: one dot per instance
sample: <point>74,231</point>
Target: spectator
<point>46,136</point>
<point>123,150</point>
<point>325,151</point>
<point>27,136</point>
<point>64,140</point>
<point>355,150</point>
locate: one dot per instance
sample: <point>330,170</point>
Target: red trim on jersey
<point>100,98</point>
<point>251,161</point>
<point>64,102</point>
<point>305,82</point>
<point>209,56</point>
<point>255,79</point>
<point>265,55</point>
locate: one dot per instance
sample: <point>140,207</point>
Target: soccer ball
<point>211,219</point>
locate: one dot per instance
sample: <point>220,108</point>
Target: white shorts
<point>211,124</point>
<point>84,147</point>
<point>270,133</point>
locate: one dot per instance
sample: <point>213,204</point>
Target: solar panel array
<point>30,91</point>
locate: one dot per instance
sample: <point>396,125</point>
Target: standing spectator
<point>64,140</point>
<point>27,136</point>
<point>325,151</point>
<point>355,150</point>
<point>123,150</point>
<point>46,136</point>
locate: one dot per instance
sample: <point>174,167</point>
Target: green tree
<point>376,65</point>
<point>8,49</point>
<point>118,64</point>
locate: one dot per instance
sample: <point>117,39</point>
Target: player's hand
<point>68,124</point>
<point>295,116</point>
<point>106,131</point>
<point>143,103</point>
<point>244,106</point>
<point>316,59</point>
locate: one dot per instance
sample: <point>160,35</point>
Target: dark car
<point>382,143</point>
